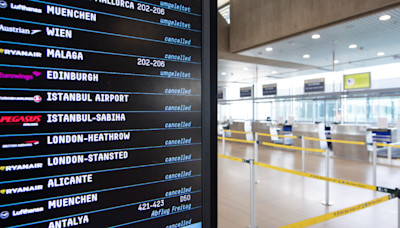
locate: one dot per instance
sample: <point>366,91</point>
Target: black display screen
<point>100,115</point>
<point>270,89</point>
<point>246,92</point>
<point>314,85</point>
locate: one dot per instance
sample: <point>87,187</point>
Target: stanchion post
<point>256,156</point>
<point>223,142</point>
<point>252,195</point>
<point>374,157</point>
<point>390,155</point>
<point>326,202</point>
<point>303,153</point>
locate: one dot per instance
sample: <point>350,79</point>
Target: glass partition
<point>360,110</point>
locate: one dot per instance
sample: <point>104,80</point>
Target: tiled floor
<point>283,198</point>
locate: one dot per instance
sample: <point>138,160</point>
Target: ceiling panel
<point>369,33</point>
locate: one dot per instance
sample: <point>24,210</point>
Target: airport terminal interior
<point>307,91</point>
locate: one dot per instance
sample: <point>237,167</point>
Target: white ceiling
<point>369,33</point>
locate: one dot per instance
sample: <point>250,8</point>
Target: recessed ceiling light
<point>381,53</point>
<point>336,61</point>
<point>223,73</point>
<point>306,56</point>
<point>269,49</point>
<point>316,36</point>
<point>274,72</point>
<point>353,46</point>
<point>384,17</point>
<point>245,68</point>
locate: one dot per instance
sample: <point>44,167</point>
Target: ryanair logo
<point>18,190</point>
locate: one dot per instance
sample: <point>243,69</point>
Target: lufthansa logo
<point>4,214</point>
<point>3,4</point>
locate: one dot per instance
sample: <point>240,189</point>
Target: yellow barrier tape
<point>238,132</point>
<point>388,145</point>
<point>293,147</point>
<point>282,136</point>
<point>337,214</point>
<point>336,141</point>
<point>236,140</point>
<point>330,179</point>
<point>230,158</point>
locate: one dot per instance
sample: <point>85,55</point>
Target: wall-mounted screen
<point>271,89</point>
<point>314,85</point>
<point>101,113</point>
<point>246,91</point>
<point>357,81</point>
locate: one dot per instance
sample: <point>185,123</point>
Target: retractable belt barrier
<point>273,144</point>
<point>239,132</point>
<point>282,136</point>
<point>292,147</point>
<point>335,141</point>
<point>314,176</point>
<point>236,140</point>
<point>387,145</point>
<point>339,213</point>
<point>394,193</point>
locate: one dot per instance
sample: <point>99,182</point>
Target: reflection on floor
<point>283,199</point>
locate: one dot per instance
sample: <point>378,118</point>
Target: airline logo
<point>21,145</point>
<point>25,121</point>
<point>36,98</point>
<point>3,4</point>
<point>4,214</point>
<point>20,167</point>
<point>26,77</point>
<point>19,30</point>
<point>11,191</point>
<point>25,8</point>
<point>21,53</point>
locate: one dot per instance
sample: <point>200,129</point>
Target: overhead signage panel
<point>270,89</point>
<point>357,81</point>
<point>314,85</point>
<point>101,113</point>
<point>246,91</point>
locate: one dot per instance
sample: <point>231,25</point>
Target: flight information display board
<point>314,85</point>
<point>101,113</point>
<point>270,89</point>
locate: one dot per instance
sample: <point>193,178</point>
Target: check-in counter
<point>266,128</point>
<point>310,130</point>
<point>351,133</point>
<point>244,126</point>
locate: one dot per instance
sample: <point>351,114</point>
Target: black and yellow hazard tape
<point>338,213</point>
